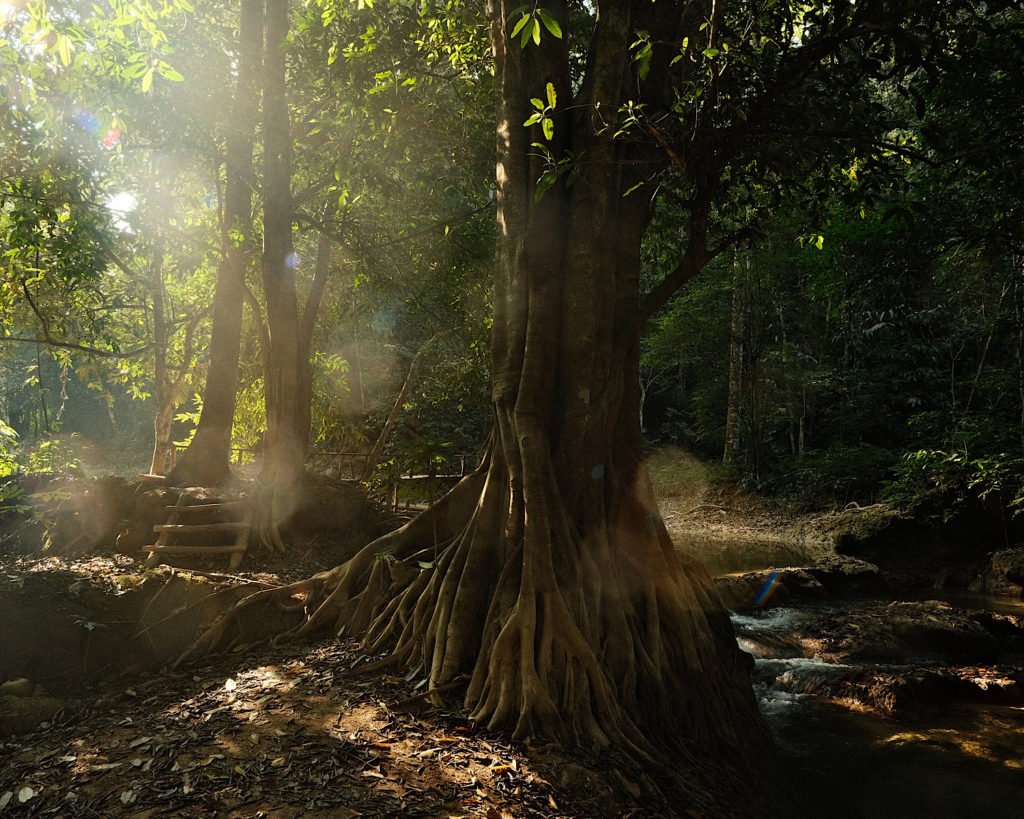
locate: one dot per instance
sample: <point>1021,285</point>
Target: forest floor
<point>696,507</point>
<point>296,730</point>
<point>286,731</point>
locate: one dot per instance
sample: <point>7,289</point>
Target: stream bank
<point>884,700</point>
<point>887,652</point>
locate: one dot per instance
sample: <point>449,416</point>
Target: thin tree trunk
<point>286,445</point>
<point>374,457</point>
<point>736,331</point>
<point>307,325</point>
<point>161,382</point>
<point>208,457</point>
<point>42,395</point>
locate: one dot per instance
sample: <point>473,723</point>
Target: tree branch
<point>82,348</point>
<point>697,255</point>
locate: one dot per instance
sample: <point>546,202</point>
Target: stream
<point>956,756</point>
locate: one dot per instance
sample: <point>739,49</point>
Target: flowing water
<point>841,761</point>
<point>837,760</point>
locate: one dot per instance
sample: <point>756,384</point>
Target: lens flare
<point>768,588</point>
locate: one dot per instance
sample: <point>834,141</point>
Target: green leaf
<point>64,49</point>
<point>550,23</point>
<point>552,98</point>
<point>536,31</point>
<point>147,81</point>
<point>643,59</point>
<point>543,184</point>
<point>549,128</point>
<point>134,70</point>
<point>537,103</point>
<point>519,26</point>
<point>525,36</point>
<point>533,120</point>
<point>168,72</point>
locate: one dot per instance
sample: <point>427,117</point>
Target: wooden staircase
<point>189,522</point>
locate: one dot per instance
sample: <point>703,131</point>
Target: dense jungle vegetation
<point>862,341</point>
<point>786,237</point>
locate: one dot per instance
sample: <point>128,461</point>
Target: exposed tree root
<point>606,641</point>
<point>267,518</point>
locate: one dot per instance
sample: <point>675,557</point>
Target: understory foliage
<point>315,185</point>
<point>884,323</point>
<point>948,486</point>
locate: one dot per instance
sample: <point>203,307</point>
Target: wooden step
<point>238,506</point>
<point>194,550</point>
<point>185,528</point>
<point>174,530</point>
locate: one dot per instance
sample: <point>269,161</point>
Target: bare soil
<point>290,732</point>
<point>698,507</point>
<point>285,731</point>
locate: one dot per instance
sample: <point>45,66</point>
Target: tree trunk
<point>737,328</point>
<point>547,579</point>
<point>285,450</point>
<point>162,444</point>
<point>307,325</point>
<point>208,457</point>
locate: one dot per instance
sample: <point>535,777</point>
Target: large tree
<point>546,582</point>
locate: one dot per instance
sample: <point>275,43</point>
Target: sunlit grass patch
<point>677,474</point>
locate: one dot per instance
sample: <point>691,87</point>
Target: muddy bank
<point>65,624</point>
<point>907,553</point>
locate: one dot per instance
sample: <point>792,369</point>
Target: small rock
<point>21,687</point>
<point>836,574</point>
<point>19,715</point>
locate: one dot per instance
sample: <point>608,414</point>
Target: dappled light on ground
<point>289,732</point>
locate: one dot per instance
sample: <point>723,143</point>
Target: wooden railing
<point>410,490</point>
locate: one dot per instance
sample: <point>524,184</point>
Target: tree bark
<point>547,578</point>
<point>737,328</point>
<point>282,381</point>
<point>162,444</point>
<point>208,457</point>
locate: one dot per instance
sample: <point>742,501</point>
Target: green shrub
<point>948,485</point>
<point>834,476</point>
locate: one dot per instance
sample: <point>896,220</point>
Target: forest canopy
<point>786,236</point>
